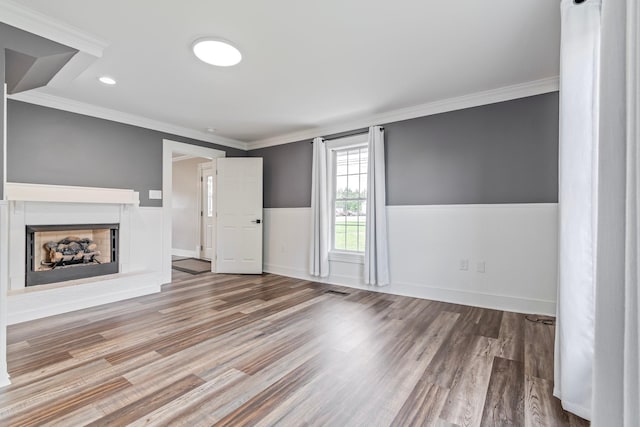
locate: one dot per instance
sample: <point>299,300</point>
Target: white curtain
<point>616,398</point>
<point>376,257</point>
<point>320,219</point>
<point>578,198</point>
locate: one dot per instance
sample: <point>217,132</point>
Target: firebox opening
<point>57,253</point>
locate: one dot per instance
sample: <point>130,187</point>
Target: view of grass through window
<point>351,199</point>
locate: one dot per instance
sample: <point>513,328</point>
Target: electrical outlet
<point>464,264</point>
<point>481,267</point>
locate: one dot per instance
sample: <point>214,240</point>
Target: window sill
<point>348,257</point>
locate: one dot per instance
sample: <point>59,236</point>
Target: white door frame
<point>168,148</point>
<point>4,247</point>
<point>200,214</point>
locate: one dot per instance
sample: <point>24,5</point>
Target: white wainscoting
<point>146,238</point>
<point>516,242</point>
<point>140,260</point>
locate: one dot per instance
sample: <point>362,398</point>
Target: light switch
<point>155,194</point>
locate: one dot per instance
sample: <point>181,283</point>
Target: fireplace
<point>57,253</point>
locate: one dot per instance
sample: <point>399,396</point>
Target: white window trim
<point>353,141</point>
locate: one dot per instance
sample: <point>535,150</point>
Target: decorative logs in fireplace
<point>57,253</point>
<point>71,250</point>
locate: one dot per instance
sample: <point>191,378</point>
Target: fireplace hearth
<point>58,253</point>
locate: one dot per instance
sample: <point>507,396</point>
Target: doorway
<point>192,207</point>
<point>184,153</point>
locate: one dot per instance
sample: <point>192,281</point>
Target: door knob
<point>257,221</point>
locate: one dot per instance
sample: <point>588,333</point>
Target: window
<point>348,184</point>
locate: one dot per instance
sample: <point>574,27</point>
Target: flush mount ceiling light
<point>109,81</point>
<point>216,52</point>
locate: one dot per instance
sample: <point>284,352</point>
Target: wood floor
<point>268,350</point>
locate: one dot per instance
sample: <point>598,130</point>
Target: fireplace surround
<point>139,256</point>
<point>58,253</point>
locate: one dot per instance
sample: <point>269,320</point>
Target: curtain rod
<point>347,134</point>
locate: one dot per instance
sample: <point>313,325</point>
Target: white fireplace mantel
<point>140,248</point>
<point>15,191</point>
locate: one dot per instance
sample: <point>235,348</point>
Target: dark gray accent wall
<point>49,146</point>
<point>287,174</point>
<point>500,153</point>
<point>27,61</point>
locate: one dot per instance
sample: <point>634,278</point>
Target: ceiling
<point>305,65</point>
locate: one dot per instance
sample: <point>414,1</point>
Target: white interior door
<point>239,222</point>
<point>207,214</point>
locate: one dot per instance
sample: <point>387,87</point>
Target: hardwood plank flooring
<point>268,350</point>
<point>504,404</point>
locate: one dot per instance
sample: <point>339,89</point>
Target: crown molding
<point>60,103</point>
<point>38,23</point>
<point>506,93</point>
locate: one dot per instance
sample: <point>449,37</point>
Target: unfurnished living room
<point>332,213</point>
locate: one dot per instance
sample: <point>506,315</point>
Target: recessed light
<point>110,81</point>
<point>210,130</point>
<point>216,52</point>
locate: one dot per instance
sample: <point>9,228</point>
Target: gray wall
<point>48,146</point>
<point>26,61</point>
<point>287,174</point>
<point>499,153</point>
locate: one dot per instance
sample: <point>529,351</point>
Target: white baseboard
<point>415,290</point>
<point>476,299</point>
<point>184,253</point>
<point>340,280</point>
<point>34,303</point>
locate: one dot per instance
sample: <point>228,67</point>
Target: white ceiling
<point>305,64</point>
